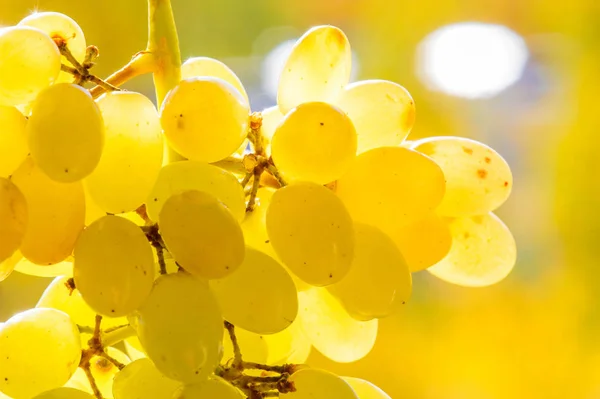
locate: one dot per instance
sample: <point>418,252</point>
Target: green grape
<point>14,216</point>
<point>181,328</point>
<point>64,393</point>
<point>92,211</point>
<point>315,142</point>
<point>319,384</point>
<point>253,346</point>
<point>332,330</point>
<point>8,265</point>
<point>317,69</point>
<point>103,371</point>
<point>141,380</point>
<point>39,351</point>
<point>201,234</point>
<point>271,118</point>
<point>30,63</point>
<point>205,66</point>
<point>383,112</point>
<point>61,29</point>
<point>288,346</point>
<point>64,268</point>
<point>311,232</point>
<point>391,186</point>
<point>259,297</point>
<point>56,215</point>
<point>205,119</point>
<point>215,387</point>
<point>483,252</point>
<point>133,152</point>
<point>379,280</point>
<point>365,389</point>
<point>478,179</point>
<point>178,177</point>
<point>13,141</point>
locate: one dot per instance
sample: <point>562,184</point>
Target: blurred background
<point>521,76</point>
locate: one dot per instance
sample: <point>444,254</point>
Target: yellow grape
<point>201,234</point>
<point>383,112</point>
<point>478,179</point>
<point>7,266</point>
<point>315,142</point>
<point>205,66</point>
<point>311,232</point>
<point>141,380</point>
<point>56,215</point>
<point>61,28</point>
<point>64,393</point>
<point>483,252</point>
<point>13,141</point>
<point>30,63</point>
<point>205,119</point>
<point>271,118</point>
<point>134,349</point>
<point>92,210</point>
<point>14,216</point>
<point>391,186</point>
<point>114,266</point>
<point>178,177</point>
<point>317,69</point>
<point>332,330</point>
<point>132,155</point>
<point>65,132</point>
<point>181,328</point>
<point>365,389</point>
<point>379,280</point>
<point>319,384</point>
<point>287,346</point>
<point>215,387</point>
<point>259,297</point>
<point>253,346</point>
<point>39,351</point>
<point>25,266</point>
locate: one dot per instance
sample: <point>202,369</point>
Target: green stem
<point>116,336</point>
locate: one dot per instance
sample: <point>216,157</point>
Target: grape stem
<point>81,71</point>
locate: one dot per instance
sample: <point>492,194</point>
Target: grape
<point>64,393</point>
<point>311,232</point>
<point>383,112</point>
<point>332,330</point>
<point>13,142</point>
<point>287,346</point>
<point>141,380</point>
<point>181,328</point>
<point>259,297</point>
<point>314,142</point>
<point>483,252</point>
<point>271,118</point>
<point>205,66</point>
<point>478,179</point>
<point>379,279</point>
<point>205,119</point>
<point>254,346</point>
<point>134,349</point>
<point>25,266</point>
<point>319,384</point>
<point>365,389</point>
<point>317,69</point>
<point>14,217</point>
<point>60,28</point>
<point>201,234</point>
<point>391,186</point>
<point>213,388</point>
<point>7,266</point>
<point>56,215</point>
<point>178,177</point>
<point>65,132</point>
<point>39,351</point>
<point>30,63</point>
<point>133,152</point>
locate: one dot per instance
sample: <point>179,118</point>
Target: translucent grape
<point>391,186</point>
<point>25,266</point>
<point>379,279</point>
<point>317,69</point>
<point>64,393</point>
<point>253,346</point>
<point>178,177</point>
<point>205,66</point>
<point>133,152</point>
<point>383,112</point>
<point>213,388</point>
<point>114,266</point>
<point>92,211</point>
<point>314,142</point>
<point>319,384</point>
<point>30,63</point>
<point>141,380</point>
<point>201,234</point>
<point>134,348</point>
<point>8,265</point>
<point>56,215</point>
<point>65,132</point>
<point>39,351</point>
<point>181,328</point>
<point>13,141</point>
<point>483,252</point>
<point>478,179</point>
<point>311,232</point>
<point>288,346</point>
<point>271,118</point>
<point>365,389</point>
<point>259,297</point>
<point>14,216</point>
<point>332,330</point>
<point>205,119</point>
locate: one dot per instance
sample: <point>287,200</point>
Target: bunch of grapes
<point>212,271</point>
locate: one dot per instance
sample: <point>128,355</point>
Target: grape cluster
<point>299,225</point>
